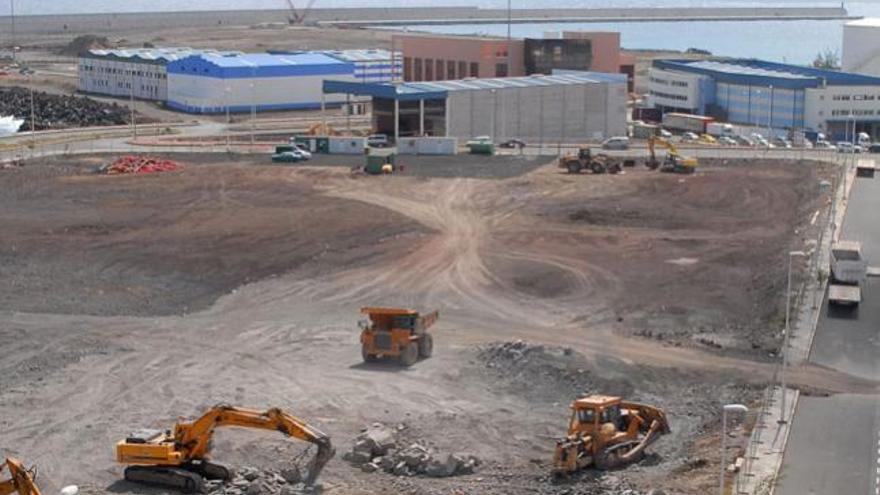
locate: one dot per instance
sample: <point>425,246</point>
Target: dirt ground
<point>131,301</point>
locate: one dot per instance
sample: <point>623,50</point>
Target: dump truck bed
<point>844,294</point>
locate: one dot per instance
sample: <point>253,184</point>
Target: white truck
<point>720,129</point>
<point>686,122</point>
<point>848,272</point>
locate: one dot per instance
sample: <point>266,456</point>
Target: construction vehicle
<point>321,129</point>
<point>21,481</point>
<point>674,161</point>
<point>179,459</point>
<point>848,272</point>
<point>585,160</point>
<point>605,432</point>
<point>396,333</point>
<point>296,18</point>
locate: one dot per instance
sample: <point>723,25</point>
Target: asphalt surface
<point>834,442</point>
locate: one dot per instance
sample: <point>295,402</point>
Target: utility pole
<point>33,117</point>
<point>509,41</point>
<point>12,17</point>
<point>253,105</point>
<point>134,132</point>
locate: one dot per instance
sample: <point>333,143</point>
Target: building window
<point>450,69</point>
<point>438,70</point>
<point>429,69</point>
<point>407,69</point>
<point>475,69</point>
<point>462,69</point>
<point>500,70</point>
<point>417,69</point>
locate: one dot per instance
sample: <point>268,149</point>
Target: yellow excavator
<point>606,432</point>
<point>21,479</point>
<point>674,162</point>
<point>179,459</point>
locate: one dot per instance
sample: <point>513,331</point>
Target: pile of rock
<point>253,481</point>
<point>377,448</point>
<point>60,111</point>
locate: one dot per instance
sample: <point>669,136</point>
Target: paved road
<point>834,441</point>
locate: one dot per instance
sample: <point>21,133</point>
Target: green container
<point>482,148</point>
<point>322,144</point>
<point>284,147</point>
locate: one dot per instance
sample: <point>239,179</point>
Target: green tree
<point>829,59</point>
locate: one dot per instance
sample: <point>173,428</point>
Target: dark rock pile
<point>60,111</point>
<point>378,448</point>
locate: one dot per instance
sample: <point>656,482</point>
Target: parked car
<point>845,147</point>
<point>744,141</point>
<point>707,139</point>
<point>665,134</point>
<point>377,140</point>
<point>306,154</point>
<point>761,141</point>
<point>513,143</point>
<point>727,141</point>
<point>824,145</point>
<point>288,157</point>
<point>689,136</point>
<point>616,143</point>
<point>874,148</point>
<point>781,142</point>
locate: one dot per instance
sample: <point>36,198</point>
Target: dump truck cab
<point>396,333</point>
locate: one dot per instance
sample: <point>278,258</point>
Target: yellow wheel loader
<point>606,432</point>
<point>179,459</point>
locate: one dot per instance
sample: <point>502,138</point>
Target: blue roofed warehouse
<point>209,83</point>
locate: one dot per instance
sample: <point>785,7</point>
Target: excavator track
<point>169,477</point>
<point>209,470</point>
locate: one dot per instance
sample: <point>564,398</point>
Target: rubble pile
<point>130,164</point>
<point>60,111</point>
<point>253,481</point>
<point>82,44</point>
<point>378,448</point>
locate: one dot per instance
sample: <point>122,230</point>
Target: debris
<point>377,448</point>
<point>82,44</point>
<point>131,164</point>
<point>60,111</point>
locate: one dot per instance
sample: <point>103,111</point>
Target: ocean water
<point>784,41</point>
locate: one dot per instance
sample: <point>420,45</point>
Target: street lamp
<point>782,411</point>
<point>728,408</point>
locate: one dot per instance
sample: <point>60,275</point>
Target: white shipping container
<point>346,145</point>
<point>437,146</point>
<point>427,146</point>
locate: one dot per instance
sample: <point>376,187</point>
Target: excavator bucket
<point>322,457</point>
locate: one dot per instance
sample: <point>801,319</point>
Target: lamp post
<point>728,408</point>
<point>228,89</point>
<point>785,341</point>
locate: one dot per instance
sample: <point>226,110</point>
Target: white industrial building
<point>370,65</point>
<point>568,106</point>
<point>209,83</point>
<point>768,94</point>
<point>861,47</point>
<point>139,72</point>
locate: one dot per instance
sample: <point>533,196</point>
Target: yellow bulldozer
<point>674,161</point>
<point>396,333</point>
<point>606,432</point>
<point>179,459</point>
<point>21,479</point>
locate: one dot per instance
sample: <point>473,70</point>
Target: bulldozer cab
<point>585,154</point>
<point>590,413</point>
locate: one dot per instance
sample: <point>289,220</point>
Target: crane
<point>296,18</point>
<point>180,459</point>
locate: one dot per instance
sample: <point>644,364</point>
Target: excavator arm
<point>194,438</point>
<point>21,479</point>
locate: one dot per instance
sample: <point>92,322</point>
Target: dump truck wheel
<point>410,354</point>
<point>426,346</point>
<point>573,167</point>
<point>368,358</point>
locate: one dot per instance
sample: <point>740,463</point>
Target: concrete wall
<point>570,113</point>
<point>115,78</point>
<point>198,94</point>
<point>485,52</point>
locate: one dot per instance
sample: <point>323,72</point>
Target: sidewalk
<point>766,446</point>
